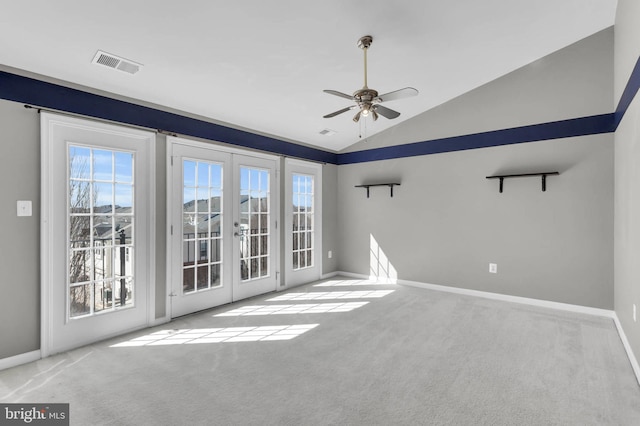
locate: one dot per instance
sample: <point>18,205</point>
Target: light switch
<point>24,208</point>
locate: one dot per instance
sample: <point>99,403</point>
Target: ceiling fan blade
<point>398,94</point>
<point>386,112</point>
<point>336,93</point>
<point>340,111</point>
<point>356,118</point>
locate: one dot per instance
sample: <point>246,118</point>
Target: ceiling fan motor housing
<point>365,96</point>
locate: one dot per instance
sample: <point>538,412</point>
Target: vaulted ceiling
<point>262,65</point>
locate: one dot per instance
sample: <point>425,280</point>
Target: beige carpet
<point>344,352</point>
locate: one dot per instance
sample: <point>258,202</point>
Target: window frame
<point>295,277</point>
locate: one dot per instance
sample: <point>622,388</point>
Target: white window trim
<point>215,146</point>
<point>46,212</point>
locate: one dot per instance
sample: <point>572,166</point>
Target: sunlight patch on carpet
<point>306,308</point>
<point>218,335</point>
<point>349,282</point>
<point>332,295</point>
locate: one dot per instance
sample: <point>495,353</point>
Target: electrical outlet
<point>329,254</point>
<point>634,312</point>
<point>493,268</point>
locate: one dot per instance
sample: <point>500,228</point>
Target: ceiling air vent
<point>327,132</point>
<point>115,62</point>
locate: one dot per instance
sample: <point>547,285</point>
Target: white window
<point>97,221</point>
<point>303,220</point>
<point>100,230</point>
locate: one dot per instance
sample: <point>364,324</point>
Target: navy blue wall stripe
<point>628,94</point>
<point>38,93</point>
<point>47,95</point>
<point>559,129</point>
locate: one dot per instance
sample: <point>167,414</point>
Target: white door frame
<point>50,220</point>
<point>171,220</point>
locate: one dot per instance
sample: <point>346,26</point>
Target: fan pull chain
<point>365,124</point>
<point>360,128</point>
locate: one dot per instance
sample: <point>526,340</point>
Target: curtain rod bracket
<point>39,110</point>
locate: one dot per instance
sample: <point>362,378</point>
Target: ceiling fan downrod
<point>364,43</point>
<point>365,96</point>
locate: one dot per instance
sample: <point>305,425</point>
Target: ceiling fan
<point>368,100</point>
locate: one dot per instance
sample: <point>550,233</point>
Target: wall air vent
<point>115,62</point>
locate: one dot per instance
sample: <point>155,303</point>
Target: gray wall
<point>446,222</point>
<point>20,259</point>
<point>161,226</point>
<point>627,176</point>
<point>329,217</point>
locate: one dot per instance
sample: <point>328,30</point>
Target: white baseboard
<point>515,299</point>
<point>487,295</point>
<point>14,361</point>
<point>627,347</point>
<point>329,275</point>
<point>357,276</point>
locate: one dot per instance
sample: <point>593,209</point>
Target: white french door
<point>255,241</point>
<point>223,242</point>
<point>200,234</point>
<point>97,217</point>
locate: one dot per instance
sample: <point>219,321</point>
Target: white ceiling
<point>262,65</point>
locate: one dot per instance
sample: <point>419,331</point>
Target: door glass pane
<point>123,196</point>
<point>79,266</point>
<point>124,167</point>
<point>188,280</point>
<point>215,275</point>
<point>103,296</point>
<point>201,225</point>
<point>100,214</point>
<point>254,232</point>
<point>79,300</point>
<point>302,211</point>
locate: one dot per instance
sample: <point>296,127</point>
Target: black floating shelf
<point>390,185</point>
<point>542,174</point>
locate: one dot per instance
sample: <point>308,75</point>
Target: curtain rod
<point>160,131</point>
<point>104,120</point>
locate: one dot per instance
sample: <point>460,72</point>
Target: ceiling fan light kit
<point>367,100</point>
